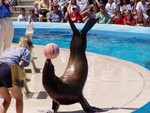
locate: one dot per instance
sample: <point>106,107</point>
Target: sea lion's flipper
<point>86,106</point>
<point>73,27</point>
<point>90,23</point>
<point>55,106</point>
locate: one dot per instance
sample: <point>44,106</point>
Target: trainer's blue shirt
<point>4,11</point>
<point>15,55</point>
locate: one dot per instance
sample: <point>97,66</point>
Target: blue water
<point>128,46</point>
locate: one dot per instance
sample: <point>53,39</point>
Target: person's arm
<point>11,9</point>
<point>50,5</point>
<point>48,17</point>
<point>69,9</point>
<point>39,6</point>
<point>98,4</point>
<point>21,64</point>
<point>124,21</point>
<point>0,2</point>
<point>109,21</point>
<point>145,21</point>
<point>62,18</point>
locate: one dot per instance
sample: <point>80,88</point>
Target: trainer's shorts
<point>5,75</point>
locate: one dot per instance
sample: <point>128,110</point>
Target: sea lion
<point>67,89</point>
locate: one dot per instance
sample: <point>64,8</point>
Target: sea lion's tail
<point>86,28</point>
<point>73,27</point>
<point>89,25</point>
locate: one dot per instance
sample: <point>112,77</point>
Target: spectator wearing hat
<point>103,16</point>
<point>70,7</point>
<point>71,4</point>
<point>55,15</point>
<point>75,15</point>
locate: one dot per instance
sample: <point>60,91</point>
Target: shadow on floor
<point>81,111</point>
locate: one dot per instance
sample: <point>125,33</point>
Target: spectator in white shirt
<point>22,17</point>
<point>142,5</point>
<point>110,8</point>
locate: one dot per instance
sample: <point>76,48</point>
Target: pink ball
<point>51,51</point>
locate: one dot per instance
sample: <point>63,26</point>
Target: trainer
<point>6,25</point>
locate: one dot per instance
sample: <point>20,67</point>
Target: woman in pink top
<point>73,3</point>
<point>75,15</point>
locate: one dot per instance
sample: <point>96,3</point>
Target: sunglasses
<point>74,9</point>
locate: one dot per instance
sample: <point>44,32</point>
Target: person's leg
<point>41,18</point>
<point>2,34</point>
<point>17,93</point>
<point>4,93</point>
<point>9,33</point>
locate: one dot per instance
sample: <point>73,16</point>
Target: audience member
<point>111,8</point>
<point>139,19</point>
<point>128,18</point>
<point>64,6</point>
<point>89,13</point>
<point>103,16</point>
<point>98,4</point>
<point>75,15</point>
<point>70,7</point>
<point>43,8</point>
<point>83,5</point>
<point>124,6</point>
<point>55,15</point>
<point>32,17</point>
<point>6,25</point>
<point>123,12</point>
<point>21,57</point>
<point>148,14</point>
<point>36,5</point>
<point>118,18</point>
<point>116,5</point>
<point>22,17</point>
<point>52,2</point>
<point>142,5</point>
<point>133,6</point>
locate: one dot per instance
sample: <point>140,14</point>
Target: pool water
<point>128,46</point>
